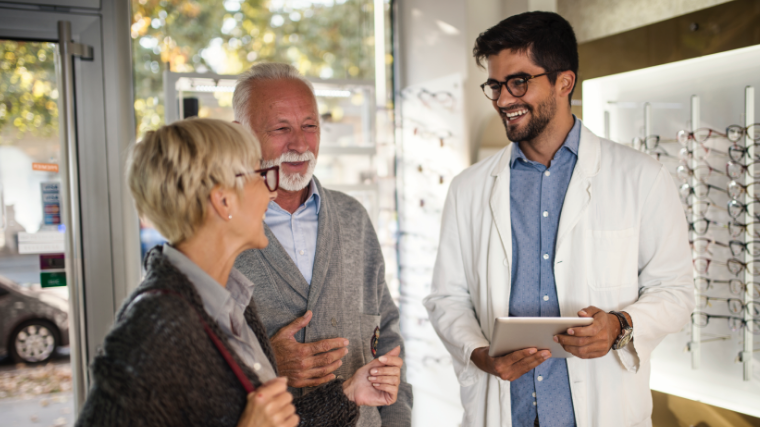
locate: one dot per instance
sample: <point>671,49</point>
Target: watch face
<point>624,340</point>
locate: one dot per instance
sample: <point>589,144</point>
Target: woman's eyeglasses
<point>736,170</point>
<point>736,286</point>
<point>700,135</point>
<point>271,177</point>
<point>734,323</point>
<point>737,208</point>
<point>735,132</point>
<point>736,189</point>
<point>700,191</point>
<point>702,171</point>
<point>735,305</point>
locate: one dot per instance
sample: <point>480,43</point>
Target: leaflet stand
<point>749,119</point>
<point>695,345</point>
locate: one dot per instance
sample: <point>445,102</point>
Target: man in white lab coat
<point>559,223</point>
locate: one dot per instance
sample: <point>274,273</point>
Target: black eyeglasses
<point>271,177</point>
<point>736,132</point>
<point>517,86</point>
<point>737,153</point>
<point>737,247</point>
<point>734,323</point>
<point>735,229</point>
<point>700,207</point>
<point>736,286</point>
<point>737,208</point>
<point>702,225</point>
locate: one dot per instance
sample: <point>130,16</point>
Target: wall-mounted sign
<point>41,242</point>
<point>52,279</point>
<point>52,262</point>
<point>45,167</point>
<point>51,202</point>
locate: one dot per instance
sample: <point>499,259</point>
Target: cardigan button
<point>334,322</point>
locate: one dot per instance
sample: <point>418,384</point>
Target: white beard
<point>295,181</point>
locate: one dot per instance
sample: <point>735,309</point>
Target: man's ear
<point>565,82</point>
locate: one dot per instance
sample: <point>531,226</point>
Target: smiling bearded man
<point>323,267</point>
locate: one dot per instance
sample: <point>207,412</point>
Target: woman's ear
<point>222,201</point>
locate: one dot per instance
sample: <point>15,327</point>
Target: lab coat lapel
<point>281,262</point>
<point>499,202</point>
<point>579,191</point>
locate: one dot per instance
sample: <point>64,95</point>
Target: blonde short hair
<point>172,171</point>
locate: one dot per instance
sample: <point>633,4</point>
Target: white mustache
<point>289,157</point>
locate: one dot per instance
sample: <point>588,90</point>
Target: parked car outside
<point>33,324</point>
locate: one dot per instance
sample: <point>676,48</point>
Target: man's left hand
<point>594,340</point>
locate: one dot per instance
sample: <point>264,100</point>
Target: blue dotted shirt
<point>536,197</point>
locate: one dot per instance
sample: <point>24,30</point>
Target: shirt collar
<point>213,295</point>
<point>313,198</point>
<point>571,143</point>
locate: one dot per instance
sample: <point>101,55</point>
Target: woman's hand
<point>376,383</point>
<point>270,406</point>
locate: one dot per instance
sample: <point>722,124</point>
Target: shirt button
<point>540,378</point>
<point>547,173</point>
<point>256,366</point>
<point>546,297</point>
<point>546,213</point>
<point>546,256</point>
<point>534,403</point>
<point>300,252</point>
<point>534,394</point>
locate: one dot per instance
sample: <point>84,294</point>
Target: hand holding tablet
<point>517,333</point>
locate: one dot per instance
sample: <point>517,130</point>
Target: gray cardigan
<point>348,295</point>
<point>159,368</point>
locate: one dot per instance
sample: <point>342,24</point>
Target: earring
<point>229,217</point>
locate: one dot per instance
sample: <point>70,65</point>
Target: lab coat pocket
<point>613,258</point>
<point>370,330</point>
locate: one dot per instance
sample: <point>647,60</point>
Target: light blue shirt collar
<point>313,199</point>
<point>571,143</point>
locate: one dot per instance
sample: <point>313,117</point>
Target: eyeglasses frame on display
<point>731,285</point>
<point>743,323</point>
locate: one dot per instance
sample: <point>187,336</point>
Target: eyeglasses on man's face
<point>271,177</point>
<point>517,86</point>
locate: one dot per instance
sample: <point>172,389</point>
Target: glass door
<point>34,296</point>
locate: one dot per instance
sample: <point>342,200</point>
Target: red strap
<point>244,381</point>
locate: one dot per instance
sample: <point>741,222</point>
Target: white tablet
<point>517,333</point>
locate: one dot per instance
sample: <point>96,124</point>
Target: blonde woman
<point>186,347</point>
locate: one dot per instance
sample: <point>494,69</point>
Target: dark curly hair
<point>546,36</point>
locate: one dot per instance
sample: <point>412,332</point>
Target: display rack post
<point>647,122</point>
<point>749,119</point>
<point>695,345</point>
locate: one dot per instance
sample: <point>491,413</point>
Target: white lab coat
<point>621,245</point>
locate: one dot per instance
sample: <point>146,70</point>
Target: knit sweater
<point>157,366</point>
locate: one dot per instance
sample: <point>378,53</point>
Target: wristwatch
<point>626,331</point>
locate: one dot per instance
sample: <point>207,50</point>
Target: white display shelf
<point>712,92</point>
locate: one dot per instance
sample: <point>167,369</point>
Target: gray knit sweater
<point>159,368</point>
